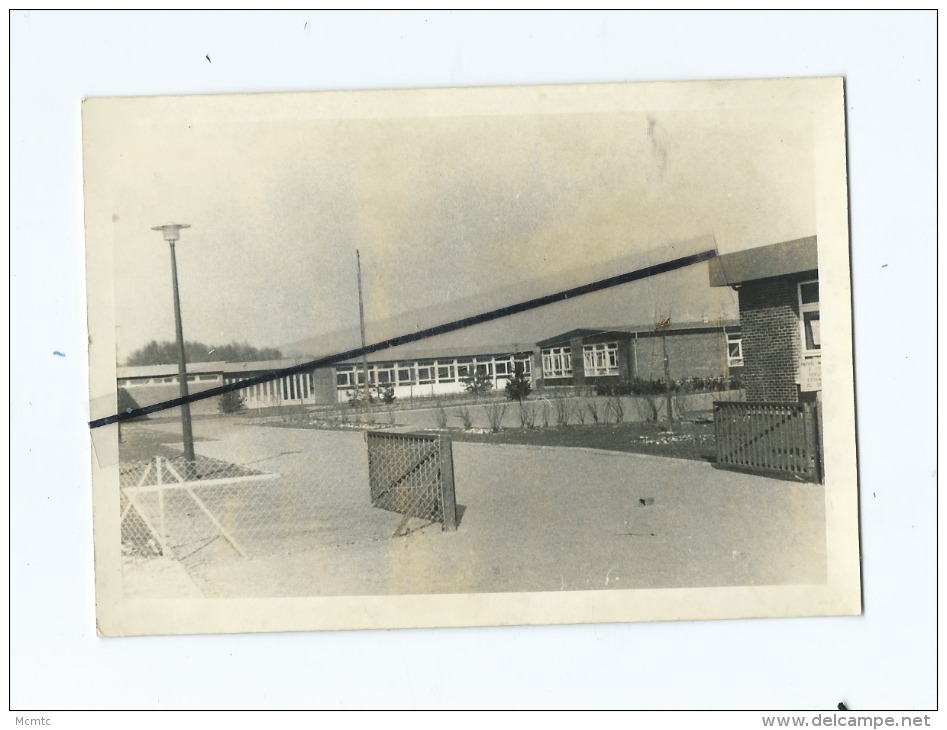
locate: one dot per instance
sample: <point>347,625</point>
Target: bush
<point>356,397</point>
<point>592,407</point>
<point>463,413</point>
<point>231,402</point>
<point>385,394</point>
<point>495,413</point>
<point>440,415</point>
<point>479,383</point>
<point>518,387</point>
<point>563,410</point>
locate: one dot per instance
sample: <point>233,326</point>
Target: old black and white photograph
<point>403,358</point>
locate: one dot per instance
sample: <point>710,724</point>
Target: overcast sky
<point>444,209</point>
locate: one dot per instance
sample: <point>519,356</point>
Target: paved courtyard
<point>532,519</point>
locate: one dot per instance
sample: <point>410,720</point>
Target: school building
<point>778,292</point>
<point>619,355</point>
<point>610,356</point>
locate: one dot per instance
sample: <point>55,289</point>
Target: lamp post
<point>172,232</point>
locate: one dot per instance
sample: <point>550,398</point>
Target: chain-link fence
<point>174,507</point>
<point>412,474</point>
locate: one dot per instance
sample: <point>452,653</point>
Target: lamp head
<point>171,231</point>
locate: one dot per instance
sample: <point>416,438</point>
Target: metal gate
<point>412,474</point>
<point>772,438</point>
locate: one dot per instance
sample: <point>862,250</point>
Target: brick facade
<point>693,352</point>
<point>769,318</point>
<point>690,355</point>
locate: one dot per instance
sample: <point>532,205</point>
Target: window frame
<point>551,356</point>
<point>804,309</point>
<point>735,361</point>
<point>598,359</point>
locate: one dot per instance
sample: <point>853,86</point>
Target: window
<point>809,318</point>
<point>734,351</point>
<point>384,373</point>
<point>601,358</point>
<point>445,373</point>
<point>425,372</point>
<point>405,376</point>
<point>557,362</point>
<point>343,377</point>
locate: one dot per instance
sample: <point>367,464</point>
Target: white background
<point>885,659</point>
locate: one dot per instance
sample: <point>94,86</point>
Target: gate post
<point>810,431</point>
<point>448,498</point>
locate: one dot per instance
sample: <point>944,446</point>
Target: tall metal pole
<point>182,362</point>
<point>667,379</point>
<point>361,324</point>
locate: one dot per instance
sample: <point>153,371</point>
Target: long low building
<point>587,357</point>
<point>444,374</point>
<point>613,356</point>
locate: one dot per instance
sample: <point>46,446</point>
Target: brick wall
<point>769,319</point>
<point>690,355</point>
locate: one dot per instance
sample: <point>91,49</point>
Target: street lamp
<point>171,233</point>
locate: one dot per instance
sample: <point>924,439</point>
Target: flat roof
<point>204,368</point>
<point>765,262</point>
<point>637,330</point>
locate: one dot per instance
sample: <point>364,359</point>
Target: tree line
<point>166,351</point>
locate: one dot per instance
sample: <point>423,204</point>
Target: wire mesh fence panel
<point>412,474</point>
<point>176,508</point>
<point>173,507</point>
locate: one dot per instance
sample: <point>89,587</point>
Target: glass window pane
<point>813,336</point>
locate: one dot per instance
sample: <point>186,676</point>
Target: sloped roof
<point>764,262</point>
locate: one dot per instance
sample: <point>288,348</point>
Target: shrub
<point>463,413</point>
<point>647,406</point>
<point>518,387</point>
<point>440,415</point>
<point>385,394</point>
<point>580,413</point>
<point>563,410</point>
<point>495,413</point>
<point>616,408</point>
<point>478,383</point>
<point>356,397</point>
<point>591,407</point>
<point>527,414</point>
<point>231,402</point>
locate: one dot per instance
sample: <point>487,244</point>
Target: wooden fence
<point>771,438</point>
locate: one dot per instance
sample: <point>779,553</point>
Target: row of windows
<point>425,372</point>
<point>292,387</point>
<point>601,359</point>
<point>598,360</point>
